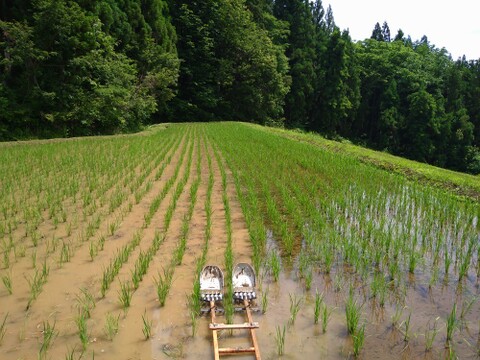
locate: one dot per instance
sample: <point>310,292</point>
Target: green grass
<point>455,182</point>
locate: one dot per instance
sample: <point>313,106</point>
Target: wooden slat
<point>252,331</point>
<point>222,326</point>
<point>215,337</point>
<point>225,351</point>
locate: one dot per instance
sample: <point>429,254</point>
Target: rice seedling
<point>430,335</point>
<point>7,281</point>
<point>264,301</point>
<point>397,315</point>
<point>111,326</point>
<point>275,267</point>
<point>35,284</point>
<point>147,326</point>
<point>352,313</point>
<point>81,322</point>
<point>49,335</point>
<point>71,354</point>
<point>467,307</point>
<point>101,243</point>
<point>163,284</point>
<point>407,323</point>
<point>85,302</point>
<point>317,306</point>
<point>326,314</point>
<point>294,307</point>
<point>112,227</point>
<point>125,295</point>
<point>3,328</point>
<point>308,279</point>
<point>280,339</point>
<point>92,250</point>
<point>19,251</point>
<point>65,253</point>
<point>358,340</point>
<point>451,324</point>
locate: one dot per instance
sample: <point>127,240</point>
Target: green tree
<point>231,68</point>
<point>301,55</point>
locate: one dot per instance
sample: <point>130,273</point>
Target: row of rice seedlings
<point>229,257</point>
<point>170,182</point>
<point>164,282</point>
<point>111,271</point>
<point>249,202</point>
<point>194,300</point>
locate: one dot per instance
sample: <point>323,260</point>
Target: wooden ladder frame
<point>250,325</point>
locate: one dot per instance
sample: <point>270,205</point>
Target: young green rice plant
<point>69,229</point>
<point>264,301</point>
<point>34,237</point>
<point>407,323</point>
<point>93,250</point>
<point>34,258</point>
<point>85,302</point>
<point>163,284</point>
<point>71,354</point>
<point>147,326</point>
<point>35,284</point>
<point>81,321</point>
<point>101,243</point>
<point>111,326</point>
<point>317,307</point>
<point>338,282</point>
<point>49,335</point>
<point>3,328</point>
<point>6,258</point>
<point>451,324</point>
<point>352,313</point>
<point>274,262</point>
<point>430,335</point>
<point>125,295</point>
<point>308,279</point>
<point>466,307</point>
<point>7,281</point>
<point>19,251</point>
<point>193,306</point>
<point>358,340</point>
<point>65,253</point>
<point>294,308</point>
<point>280,339</point>
<point>112,227</point>
<point>326,313</point>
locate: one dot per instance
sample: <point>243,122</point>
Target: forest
<point>90,67</point>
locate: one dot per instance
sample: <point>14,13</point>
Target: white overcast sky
<point>454,25</point>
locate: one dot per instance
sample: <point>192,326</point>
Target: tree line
<point>87,67</point>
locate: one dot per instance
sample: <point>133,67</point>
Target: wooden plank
<point>252,331</point>
<point>214,332</point>
<point>225,351</point>
<point>222,326</point>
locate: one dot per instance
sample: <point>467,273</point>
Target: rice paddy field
<point>103,239</point>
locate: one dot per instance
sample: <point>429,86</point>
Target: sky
<point>453,25</point>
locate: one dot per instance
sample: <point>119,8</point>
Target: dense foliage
<point>102,66</point>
